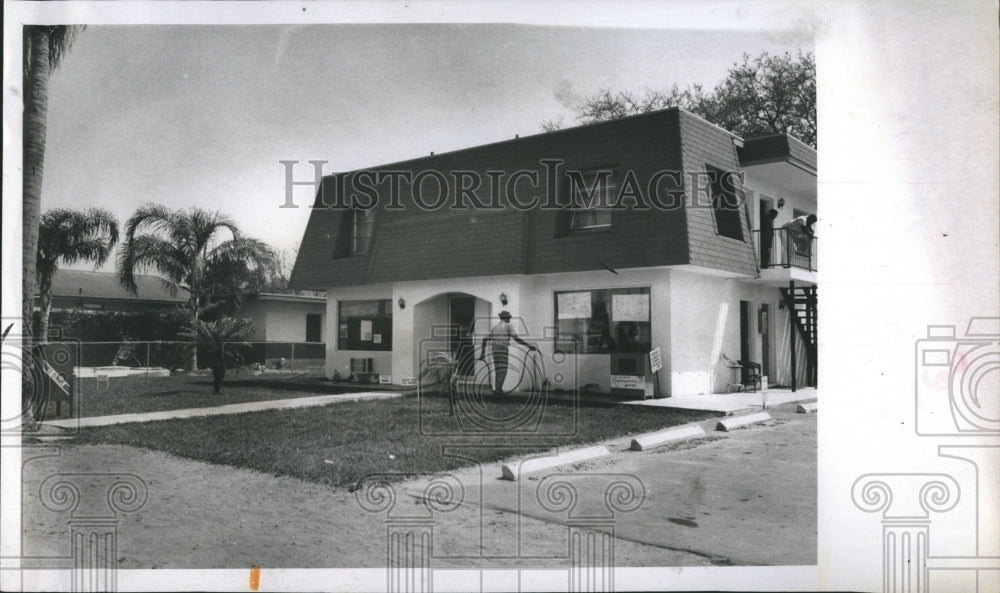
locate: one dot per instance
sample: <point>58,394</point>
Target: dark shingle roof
<point>778,147</point>
<point>105,285</point>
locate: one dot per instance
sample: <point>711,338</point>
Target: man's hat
<point>504,314</point>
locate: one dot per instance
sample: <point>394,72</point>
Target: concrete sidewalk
<point>281,404</point>
<point>726,403</point>
<point>731,403</point>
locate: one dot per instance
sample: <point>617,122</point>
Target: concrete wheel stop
<point>517,468</point>
<point>806,408</point>
<point>740,421</point>
<point>650,440</point>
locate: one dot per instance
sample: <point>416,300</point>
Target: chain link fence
<point>159,357</point>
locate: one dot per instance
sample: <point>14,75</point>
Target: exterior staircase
<point>802,303</point>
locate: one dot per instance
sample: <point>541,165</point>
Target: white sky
<point>201,115</point>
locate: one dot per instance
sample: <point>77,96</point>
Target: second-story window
<point>726,204</point>
<point>362,225</point>
<point>592,195</point>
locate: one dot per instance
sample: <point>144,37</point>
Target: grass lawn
<point>341,443</point>
<point>137,393</point>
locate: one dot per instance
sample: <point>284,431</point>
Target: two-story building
<point>626,235</point>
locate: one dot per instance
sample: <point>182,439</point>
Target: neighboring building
<point>101,291</point>
<point>292,325</point>
<point>682,275</point>
<point>285,317</point>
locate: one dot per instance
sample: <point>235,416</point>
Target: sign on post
<point>655,360</point>
<point>57,360</point>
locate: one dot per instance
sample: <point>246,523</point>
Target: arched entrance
<point>451,322</point>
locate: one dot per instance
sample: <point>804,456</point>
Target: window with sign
<point>365,325</point>
<point>602,321</point>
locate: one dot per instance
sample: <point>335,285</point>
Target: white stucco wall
<point>258,315</point>
<point>282,321</point>
<point>762,187</point>
<point>286,321</point>
<point>695,317</point>
<point>705,323</point>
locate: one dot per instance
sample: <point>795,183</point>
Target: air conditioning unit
<point>363,369</point>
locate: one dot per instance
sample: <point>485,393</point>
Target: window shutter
<point>564,217</point>
<point>563,220</point>
<point>342,247</point>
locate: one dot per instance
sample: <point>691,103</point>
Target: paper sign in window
<point>574,305</point>
<point>366,330</point>
<point>630,307</point>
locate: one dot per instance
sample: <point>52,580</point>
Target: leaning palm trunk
<point>45,305</point>
<point>44,46</point>
<point>36,98</point>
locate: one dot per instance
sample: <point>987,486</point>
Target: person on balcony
<point>501,334</point>
<point>800,233</point>
<point>767,237</point>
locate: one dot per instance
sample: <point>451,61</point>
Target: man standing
<point>767,237</point>
<point>800,231</point>
<point>501,334</point>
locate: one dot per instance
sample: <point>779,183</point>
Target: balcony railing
<point>784,249</point>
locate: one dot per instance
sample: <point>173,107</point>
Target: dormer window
<point>362,225</point>
<point>591,204</point>
<point>726,204</point>
<point>354,233</point>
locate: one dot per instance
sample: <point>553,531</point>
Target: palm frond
<point>69,236</point>
<point>153,217</point>
<point>61,39</point>
<point>205,225</point>
<point>147,252</point>
<point>254,252</point>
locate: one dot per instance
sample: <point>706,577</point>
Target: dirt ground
<point>744,498</point>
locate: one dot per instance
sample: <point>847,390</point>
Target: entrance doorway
<point>744,339</point>
<point>766,227</point>
<point>462,319</point>
<point>764,327</point>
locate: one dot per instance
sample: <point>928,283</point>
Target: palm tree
<point>68,236</point>
<point>189,248</point>
<point>44,48</point>
<point>224,338</point>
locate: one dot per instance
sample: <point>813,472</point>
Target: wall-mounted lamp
<point>781,202</point>
<point>503,299</point>
<point>402,303</point>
